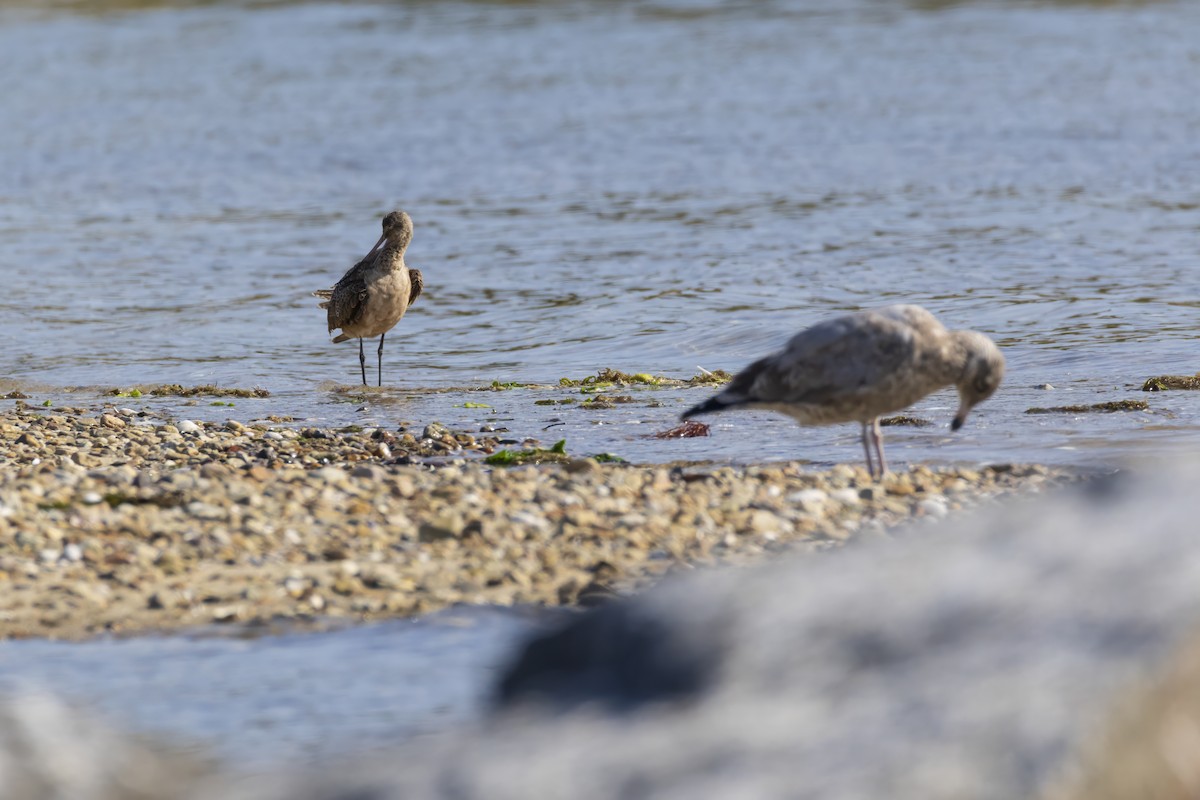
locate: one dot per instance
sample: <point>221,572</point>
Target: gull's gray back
<point>851,368</point>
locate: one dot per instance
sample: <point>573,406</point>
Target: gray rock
<point>435,430</point>
<point>981,657</point>
<point>49,750</point>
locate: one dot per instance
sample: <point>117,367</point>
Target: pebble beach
<point>113,521</point>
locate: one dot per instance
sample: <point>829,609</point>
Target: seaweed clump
<point>903,420</point>
<point>608,378</point>
<point>1164,382</point>
<point>533,455</point>
<point>177,390</point>
<point>1110,407</point>
<point>606,401</point>
<point>686,430</point>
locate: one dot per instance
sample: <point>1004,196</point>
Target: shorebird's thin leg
<point>866,440</point>
<point>381,358</point>
<point>877,437</point>
<point>362,361</point>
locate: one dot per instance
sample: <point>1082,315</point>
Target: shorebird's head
<point>983,369</point>
<point>397,231</point>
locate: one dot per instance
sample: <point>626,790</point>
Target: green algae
<point>606,401</point>
<point>534,455</point>
<point>178,390</point>
<point>608,378</point>
<point>1103,408</point>
<point>469,404</point>
<point>1164,382</point>
<point>705,378</point>
<point>557,454</point>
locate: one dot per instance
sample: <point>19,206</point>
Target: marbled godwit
<point>860,366</point>
<point>374,294</point>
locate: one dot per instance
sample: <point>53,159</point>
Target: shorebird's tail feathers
<point>718,402</point>
<point>341,337</point>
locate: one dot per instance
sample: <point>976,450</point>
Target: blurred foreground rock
<point>1047,649</point>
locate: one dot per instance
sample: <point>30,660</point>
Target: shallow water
<point>653,186</point>
<point>646,186</point>
<point>256,701</point>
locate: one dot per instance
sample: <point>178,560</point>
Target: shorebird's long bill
<point>378,244</point>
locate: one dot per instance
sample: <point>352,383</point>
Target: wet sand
<point>115,522</point>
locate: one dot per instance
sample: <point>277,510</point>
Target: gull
<point>374,294</point>
<point>857,367</point>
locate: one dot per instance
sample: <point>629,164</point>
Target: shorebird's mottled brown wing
<point>346,302</point>
<point>417,284</point>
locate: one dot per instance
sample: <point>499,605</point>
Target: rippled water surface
<point>299,696</point>
<point>650,186</point>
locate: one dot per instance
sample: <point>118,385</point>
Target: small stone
<point>935,507</point>
<point>112,421</point>
<point>847,497</point>
<point>49,556</point>
<point>444,526</point>
<point>330,475</point>
<point>435,430</point>
<point>1044,386</point>
<point>226,614</point>
<point>259,473</point>
<point>92,498</point>
<point>811,500</point>
<point>87,460</point>
<point>187,426</point>
<point>170,563</point>
<point>346,585</point>
<point>582,466</point>
<point>73,552</point>
<point>206,511</point>
<point>235,426</point>
<point>763,522</point>
<point>369,472</point>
